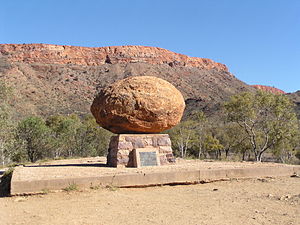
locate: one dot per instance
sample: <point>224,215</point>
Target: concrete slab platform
<point>91,173</point>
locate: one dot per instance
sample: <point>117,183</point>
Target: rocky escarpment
<point>57,54</point>
<point>269,89</point>
<point>50,79</point>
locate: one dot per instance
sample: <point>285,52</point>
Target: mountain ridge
<point>61,79</point>
<point>95,56</point>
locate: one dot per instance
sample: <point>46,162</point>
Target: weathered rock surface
<point>141,104</point>
<point>64,54</point>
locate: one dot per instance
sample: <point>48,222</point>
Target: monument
<point>137,109</point>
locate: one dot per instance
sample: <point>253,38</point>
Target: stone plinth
<point>121,148</point>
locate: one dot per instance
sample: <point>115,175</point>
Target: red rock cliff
<point>63,54</point>
<point>269,89</point>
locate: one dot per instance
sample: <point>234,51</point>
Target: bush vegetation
<point>252,126</point>
<point>58,137</point>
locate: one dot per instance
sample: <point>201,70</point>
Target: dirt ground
<point>247,201</point>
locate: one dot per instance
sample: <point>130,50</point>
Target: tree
<point>233,138</point>
<point>91,139</point>
<point>64,130</point>
<point>6,124</point>
<point>201,126</point>
<point>297,154</point>
<point>183,136</point>
<point>267,119</point>
<point>286,148</point>
<point>75,137</point>
<point>212,144</point>
<point>32,137</point>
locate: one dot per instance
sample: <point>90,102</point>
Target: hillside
<point>296,98</point>
<point>269,89</point>
<point>50,79</point>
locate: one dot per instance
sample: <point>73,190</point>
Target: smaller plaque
<point>146,157</point>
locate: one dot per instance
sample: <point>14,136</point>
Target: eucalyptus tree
<point>32,139</point>
<point>266,119</point>
<point>183,137</point>
<point>6,123</point>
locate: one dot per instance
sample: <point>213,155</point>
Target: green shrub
<point>71,187</point>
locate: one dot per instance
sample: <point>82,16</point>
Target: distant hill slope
<point>269,89</point>
<point>296,98</point>
<point>50,79</point>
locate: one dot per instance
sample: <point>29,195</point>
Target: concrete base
<point>27,180</point>
<point>121,148</point>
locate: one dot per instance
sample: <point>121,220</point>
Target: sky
<point>259,40</point>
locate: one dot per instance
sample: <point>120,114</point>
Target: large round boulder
<point>142,104</point>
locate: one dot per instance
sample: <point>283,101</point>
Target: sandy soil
<point>251,201</point>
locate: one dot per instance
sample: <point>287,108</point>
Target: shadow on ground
<point>5,182</point>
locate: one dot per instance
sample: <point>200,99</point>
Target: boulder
<point>142,104</point>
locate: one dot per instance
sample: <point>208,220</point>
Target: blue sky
<point>259,40</point>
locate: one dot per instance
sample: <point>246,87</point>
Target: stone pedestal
<point>123,147</point>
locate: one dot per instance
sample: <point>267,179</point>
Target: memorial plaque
<point>146,157</point>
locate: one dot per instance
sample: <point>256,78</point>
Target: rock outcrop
<point>143,104</point>
<point>269,89</point>
<point>84,56</point>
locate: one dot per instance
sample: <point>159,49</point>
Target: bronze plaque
<point>148,158</point>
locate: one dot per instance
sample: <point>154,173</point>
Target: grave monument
<point>137,109</point>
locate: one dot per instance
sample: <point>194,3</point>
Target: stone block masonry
<point>121,154</point>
